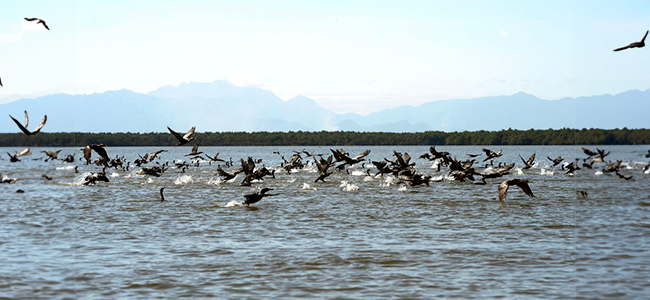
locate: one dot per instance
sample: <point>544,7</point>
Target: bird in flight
<point>39,22</point>
<point>24,128</point>
<point>503,189</point>
<point>256,197</point>
<point>183,139</point>
<point>640,44</point>
<point>1,82</point>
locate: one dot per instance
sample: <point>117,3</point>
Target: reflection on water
<point>354,236</point>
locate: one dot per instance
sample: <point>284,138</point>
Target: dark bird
<point>602,154</point>
<point>13,158</point>
<point>195,151</point>
<point>640,44</point>
<point>1,82</point>
<point>46,177</point>
<point>52,154</point>
<point>153,155</point>
<point>256,197</point>
<point>225,176</point>
<point>626,177</point>
<point>39,22</point>
<point>340,156</point>
<point>648,155</point>
<point>7,180</point>
<point>528,163</point>
<point>582,194</point>
<point>323,165</point>
<point>491,154</point>
<point>589,152</point>
<point>503,189</point>
<point>183,139</point>
<point>99,149</point>
<point>94,177</point>
<point>214,158</point>
<point>162,197</point>
<point>24,128</point>
<point>555,161</point>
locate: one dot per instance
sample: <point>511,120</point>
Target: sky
<point>349,56</point>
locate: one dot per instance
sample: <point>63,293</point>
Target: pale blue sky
<point>350,56</point>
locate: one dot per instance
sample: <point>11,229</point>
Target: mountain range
<point>220,106</point>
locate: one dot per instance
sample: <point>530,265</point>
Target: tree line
<point>564,136</point>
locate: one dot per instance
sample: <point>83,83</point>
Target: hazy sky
<point>358,56</point>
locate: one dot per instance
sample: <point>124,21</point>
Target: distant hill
<point>220,106</point>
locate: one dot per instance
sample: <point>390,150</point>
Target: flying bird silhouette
<point>256,197</point>
<point>183,139</point>
<point>640,44</point>
<point>39,22</point>
<point>24,128</point>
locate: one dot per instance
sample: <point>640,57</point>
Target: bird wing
<point>622,48</point>
<point>43,22</point>
<point>195,148</point>
<point>221,172</point>
<point>176,135</point>
<point>162,197</point>
<point>189,133</point>
<point>24,152</point>
<point>38,128</point>
<point>531,159</point>
<point>503,190</point>
<point>26,120</point>
<point>1,82</point>
<point>524,187</point>
<point>87,153</point>
<point>31,19</point>
<point>22,128</point>
<point>407,158</point>
<point>488,152</point>
<point>100,151</point>
<point>362,155</point>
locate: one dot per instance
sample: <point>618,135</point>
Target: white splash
<point>402,188</point>
<point>519,171</point>
<point>547,172</point>
<point>306,186</point>
<point>291,180</point>
<point>358,173</point>
<point>185,179</point>
<point>388,181</point>
<point>66,168</point>
<point>599,173</point>
<point>114,174</point>
<point>368,178</point>
<point>234,203</point>
<point>349,187</point>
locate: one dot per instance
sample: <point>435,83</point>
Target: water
<point>363,238</point>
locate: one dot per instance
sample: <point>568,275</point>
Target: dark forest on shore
<point>563,136</point>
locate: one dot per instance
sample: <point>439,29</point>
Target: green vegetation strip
<point>563,136</point>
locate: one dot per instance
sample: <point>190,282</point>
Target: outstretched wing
<point>503,190</point>
<point>524,187</point>
<point>622,48</point>
<point>195,148</point>
<point>26,120</point>
<point>43,22</point>
<point>31,19</point>
<point>362,155</point>
<point>22,128</point>
<point>189,133</point>
<point>531,159</point>
<point>38,128</point>
<point>175,134</point>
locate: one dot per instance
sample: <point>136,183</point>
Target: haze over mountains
<point>221,106</point>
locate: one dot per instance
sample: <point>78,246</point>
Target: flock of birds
<point>400,166</point>
<point>477,170</point>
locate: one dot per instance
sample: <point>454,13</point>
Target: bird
<point>491,154</point>
<point>13,158</point>
<point>214,158</point>
<point>51,154</point>
<point>340,156</point>
<point>1,82</point>
<point>195,151</point>
<point>528,163</point>
<point>182,140</point>
<point>646,156</point>
<point>225,176</point>
<point>24,128</point>
<point>162,197</point>
<point>503,189</point>
<point>256,197</point>
<point>323,165</point>
<point>39,22</point>
<point>556,161</point>
<point>640,44</point>
<point>582,194</point>
<point>99,149</point>
<point>46,177</point>
<point>626,177</point>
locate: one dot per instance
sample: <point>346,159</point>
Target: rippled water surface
<point>354,236</point>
